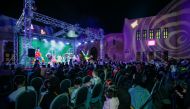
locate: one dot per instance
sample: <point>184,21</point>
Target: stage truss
<point>24,24</point>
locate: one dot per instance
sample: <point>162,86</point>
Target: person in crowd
<point>139,95</point>
<point>95,79</point>
<point>51,85</point>
<point>20,70</point>
<point>19,82</point>
<point>75,88</point>
<point>124,98</point>
<point>187,97</point>
<point>36,70</point>
<point>180,92</point>
<point>112,101</point>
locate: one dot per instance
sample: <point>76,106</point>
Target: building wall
<point>86,47</point>
<point>175,17</point>
<point>1,51</point>
<point>112,49</point>
<point>113,46</point>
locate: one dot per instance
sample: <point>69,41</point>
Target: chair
<point>81,98</point>
<point>86,79</point>
<point>26,100</point>
<point>65,85</point>
<point>59,101</point>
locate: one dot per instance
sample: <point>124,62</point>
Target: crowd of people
<point>136,85</point>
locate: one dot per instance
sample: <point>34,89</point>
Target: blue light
<point>79,43</point>
<point>34,38</point>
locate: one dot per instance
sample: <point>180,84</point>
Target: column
<point>101,48</point>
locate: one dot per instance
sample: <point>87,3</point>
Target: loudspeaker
<point>31,52</point>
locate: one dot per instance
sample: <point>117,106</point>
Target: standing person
<point>139,95</point>
<point>112,101</point>
<point>74,90</point>
<point>124,98</point>
<point>95,79</point>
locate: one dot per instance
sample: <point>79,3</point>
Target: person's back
<point>95,80</point>
<point>48,97</point>
<point>20,85</point>
<point>139,96</point>
<point>124,98</point>
<point>74,90</point>
<point>19,82</point>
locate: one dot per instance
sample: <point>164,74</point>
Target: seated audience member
<point>20,87</point>
<point>20,70</point>
<point>139,95</point>
<point>73,90</point>
<point>51,93</point>
<point>112,101</point>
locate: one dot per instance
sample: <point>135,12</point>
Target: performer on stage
<point>38,54</point>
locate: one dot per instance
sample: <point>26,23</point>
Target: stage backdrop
<point>45,46</point>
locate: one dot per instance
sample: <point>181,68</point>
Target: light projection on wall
<point>134,24</point>
<point>151,43</point>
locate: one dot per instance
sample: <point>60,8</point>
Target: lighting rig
<point>29,14</point>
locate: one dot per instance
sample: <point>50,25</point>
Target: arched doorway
<point>94,53</point>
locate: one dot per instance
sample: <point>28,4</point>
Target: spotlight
<point>31,27</point>
<point>53,43</point>
<point>60,45</point>
<point>92,41</point>
<point>85,42</point>
<point>72,34</point>
<point>42,32</point>
<point>45,40</point>
<point>35,38</point>
<point>79,44</point>
<point>67,43</point>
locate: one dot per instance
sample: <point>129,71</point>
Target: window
<point>158,33</point>
<point>151,34</point>
<point>144,34</point>
<point>138,35</point>
<point>138,56</point>
<point>165,33</point>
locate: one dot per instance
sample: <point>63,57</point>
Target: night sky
<point>106,14</point>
